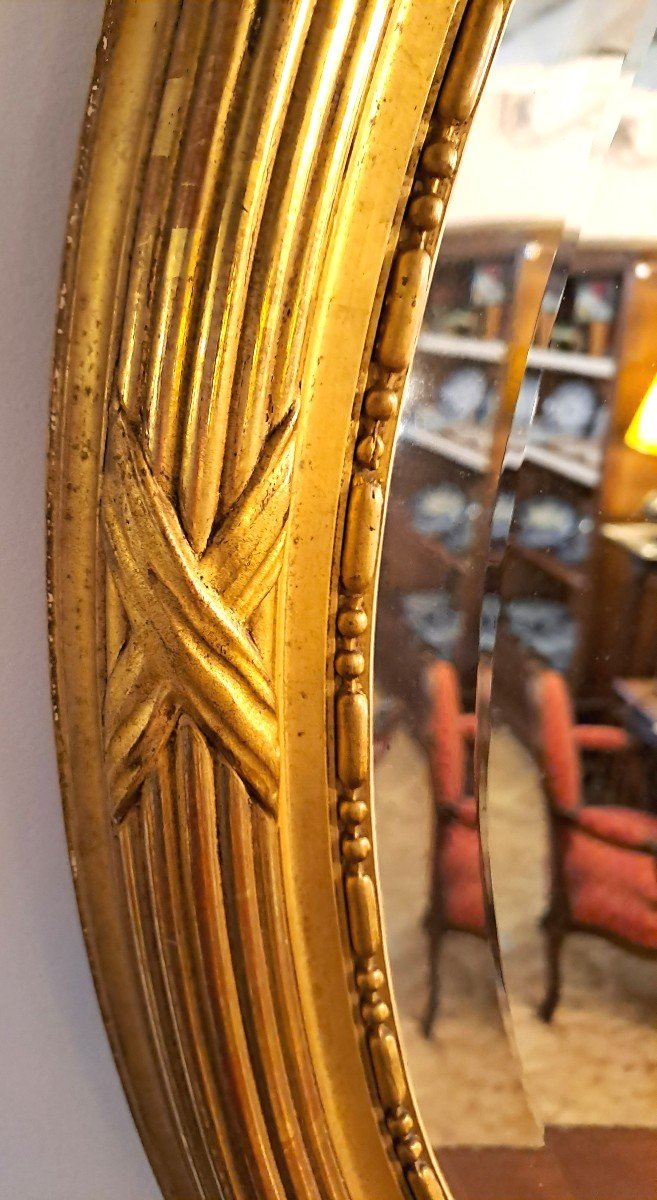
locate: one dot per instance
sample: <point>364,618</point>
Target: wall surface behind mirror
<point>65,1128</point>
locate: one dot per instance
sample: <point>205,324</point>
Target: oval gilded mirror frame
<point>256,213</point>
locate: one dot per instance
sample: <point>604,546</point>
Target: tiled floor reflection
<point>596,1063</point>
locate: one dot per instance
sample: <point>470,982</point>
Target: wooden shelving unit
<point>560,463</point>
<point>616,358</point>
<point>472,452</point>
<point>459,453</point>
<point>550,564</point>
<point>471,349</point>
<point>583,366</point>
<point>541,358</point>
<point>564,468</point>
<point>593,589</point>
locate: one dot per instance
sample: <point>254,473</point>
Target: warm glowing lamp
<point>642,432</point>
<point>642,436</point>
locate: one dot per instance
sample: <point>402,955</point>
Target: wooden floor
<point>586,1163</point>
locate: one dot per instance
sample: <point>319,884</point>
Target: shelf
<point>452,345</point>
<point>494,350</point>
<point>571,577</point>
<point>562,464</point>
<point>472,457</point>
<point>477,457</point>
<point>594,366</point>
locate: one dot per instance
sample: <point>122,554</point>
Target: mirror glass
<point>516,641</point>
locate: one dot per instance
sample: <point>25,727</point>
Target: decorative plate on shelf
<point>460,539</point>
<point>546,522</point>
<point>462,395</point>
<point>532,614</point>
<point>599,428</point>
<point>574,551</point>
<point>438,509</point>
<point>544,626</point>
<point>557,646</point>
<point>431,616</point>
<point>443,511</point>
<point>570,409</point>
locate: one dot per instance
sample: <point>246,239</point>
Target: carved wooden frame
<point>255,217</point>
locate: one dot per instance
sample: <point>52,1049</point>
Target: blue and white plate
<point>556,647</point>
<point>575,550</point>
<point>463,394</point>
<point>431,616</point>
<point>461,539</point>
<point>546,522</point>
<point>534,615</point>
<point>570,409</point>
<point>438,510</point>
<point>544,626</point>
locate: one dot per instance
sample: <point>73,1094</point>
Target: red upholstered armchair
<point>456,892</point>
<point>604,857</point>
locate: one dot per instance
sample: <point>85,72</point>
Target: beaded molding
<point>399,326</point>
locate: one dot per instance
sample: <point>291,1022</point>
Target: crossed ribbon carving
<point>189,647</point>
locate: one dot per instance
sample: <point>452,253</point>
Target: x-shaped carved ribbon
<point>189,647</point>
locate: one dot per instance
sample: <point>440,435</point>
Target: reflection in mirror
<point>572,822</point>
<point>520,352</point>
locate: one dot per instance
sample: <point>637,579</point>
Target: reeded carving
<point>202,231</point>
<point>175,403</point>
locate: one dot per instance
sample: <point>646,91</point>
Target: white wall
<point>65,1129</point>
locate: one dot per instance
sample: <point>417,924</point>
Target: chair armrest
<point>586,822</point>
<point>607,739</point>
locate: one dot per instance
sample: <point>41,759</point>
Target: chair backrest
<point>558,749</point>
<point>446,744</point>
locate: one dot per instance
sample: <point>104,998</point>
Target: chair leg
<point>554,936</point>
<point>435,930</point>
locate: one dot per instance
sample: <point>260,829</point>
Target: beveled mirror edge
<point>207,1136</point>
